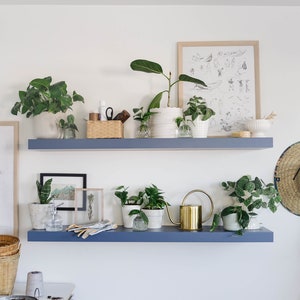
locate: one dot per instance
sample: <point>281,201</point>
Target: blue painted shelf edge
<point>165,234</point>
<point>151,143</point>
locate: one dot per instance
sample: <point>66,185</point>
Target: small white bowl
<point>259,127</point>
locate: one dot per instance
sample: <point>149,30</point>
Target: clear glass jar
<point>53,221</point>
<point>139,224</point>
<point>69,133</point>
<point>143,130</point>
<point>184,130</point>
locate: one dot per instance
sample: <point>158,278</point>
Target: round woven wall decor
<point>287,178</point>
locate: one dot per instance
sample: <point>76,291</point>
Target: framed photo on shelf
<point>63,188</point>
<point>94,207</point>
<point>9,152</point>
<point>230,70</point>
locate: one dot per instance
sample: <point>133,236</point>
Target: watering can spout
<point>170,218</point>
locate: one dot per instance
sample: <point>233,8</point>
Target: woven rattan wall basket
<point>287,178</point>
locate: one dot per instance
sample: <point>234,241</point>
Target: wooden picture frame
<point>94,206</point>
<point>9,153</point>
<point>230,70</point>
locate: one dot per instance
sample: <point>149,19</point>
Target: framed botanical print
<point>230,70</point>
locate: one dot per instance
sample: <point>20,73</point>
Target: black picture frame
<point>64,185</point>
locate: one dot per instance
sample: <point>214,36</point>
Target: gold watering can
<point>191,215</point>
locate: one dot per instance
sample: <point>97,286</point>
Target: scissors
<point>109,113</point>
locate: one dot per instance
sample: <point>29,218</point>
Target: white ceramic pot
<point>230,222</point>
<point>128,220</point>
<point>45,126</point>
<point>38,213</point>
<point>155,217</point>
<point>259,127</point>
<point>199,128</point>
<point>163,124</point>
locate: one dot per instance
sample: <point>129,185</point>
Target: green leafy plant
<point>154,198</point>
<point>243,217</point>
<point>44,191</point>
<point>153,67</point>
<point>122,193</point>
<point>42,96</point>
<point>252,194</point>
<point>69,123</point>
<point>141,116</point>
<point>140,213</point>
<point>197,107</point>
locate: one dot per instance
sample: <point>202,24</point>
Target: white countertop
<point>64,290</point>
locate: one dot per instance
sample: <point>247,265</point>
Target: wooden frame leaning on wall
<point>9,159</point>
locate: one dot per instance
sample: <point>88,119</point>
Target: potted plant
<point>252,194</point>
<point>235,218</point>
<point>163,123</point>
<point>154,206</point>
<point>200,114</point>
<point>68,127</point>
<point>128,204</point>
<point>38,211</point>
<point>41,98</point>
<point>143,117</point>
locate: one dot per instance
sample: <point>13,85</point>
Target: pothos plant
<point>122,193</point>
<point>153,199</point>
<point>252,194</point>
<point>43,96</point>
<point>196,108</point>
<point>153,67</point>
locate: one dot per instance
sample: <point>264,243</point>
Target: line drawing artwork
<point>229,72</point>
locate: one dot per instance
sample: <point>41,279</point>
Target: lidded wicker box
<point>104,129</point>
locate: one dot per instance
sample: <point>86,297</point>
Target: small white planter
<point>38,213</point>
<point>155,217</point>
<point>45,126</point>
<point>128,220</point>
<point>199,128</point>
<point>230,222</point>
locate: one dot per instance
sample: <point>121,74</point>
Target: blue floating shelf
<point>165,234</point>
<point>151,143</point>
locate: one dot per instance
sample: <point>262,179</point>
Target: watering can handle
<point>211,202</point>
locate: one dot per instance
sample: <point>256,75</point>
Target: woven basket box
<point>104,129</point>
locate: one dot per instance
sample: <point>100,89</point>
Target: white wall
<point>90,47</point>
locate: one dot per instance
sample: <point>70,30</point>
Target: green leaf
<point>186,78</point>
<point>146,66</point>
<point>41,83</point>
<point>215,222</point>
<point>155,103</point>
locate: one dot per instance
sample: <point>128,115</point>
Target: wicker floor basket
<point>104,129</point>
<point>9,245</point>
<point>8,273</point>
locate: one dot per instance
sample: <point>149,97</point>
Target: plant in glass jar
<point>144,130</point>
<point>68,127</point>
